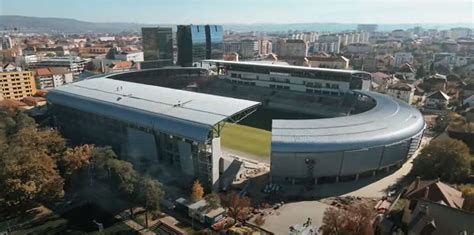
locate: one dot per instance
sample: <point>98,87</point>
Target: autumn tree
<point>28,172</point>
<point>447,159</point>
<point>214,200</point>
<point>150,194</point>
<point>197,191</point>
<point>74,159</point>
<point>238,207</point>
<point>351,220</point>
<point>468,194</point>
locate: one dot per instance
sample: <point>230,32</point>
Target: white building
<point>245,48</point>
<point>402,91</point>
<point>293,49</point>
<point>293,78</point>
<point>107,39</point>
<point>327,43</point>
<point>330,62</point>
<point>52,77</point>
<point>135,56</point>
<point>402,58</point>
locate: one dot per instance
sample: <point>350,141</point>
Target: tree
<point>197,191</point>
<point>447,159</point>
<point>420,72</point>
<point>237,206</point>
<point>468,194</point>
<point>150,194</point>
<point>352,220</point>
<point>74,159</point>
<point>214,200</point>
<point>28,176</point>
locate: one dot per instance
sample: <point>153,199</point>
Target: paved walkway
<point>295,213</point>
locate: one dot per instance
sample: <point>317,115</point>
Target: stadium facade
<point>142,118</point>
<point>293,78</point>
<point>148,124</point>
<point>346,147</point>
<point>337,148</point>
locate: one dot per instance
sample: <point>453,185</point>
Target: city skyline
<point>248,11</point>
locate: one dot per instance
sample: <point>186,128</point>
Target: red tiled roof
<point>42,72</point>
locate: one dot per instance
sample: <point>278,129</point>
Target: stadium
<point>176,116</point>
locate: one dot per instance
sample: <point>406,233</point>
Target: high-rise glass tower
<point>157,46</point>
<point>199,42</point>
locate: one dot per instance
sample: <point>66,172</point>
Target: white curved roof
<point>183,113</point>
<point>390,121</point>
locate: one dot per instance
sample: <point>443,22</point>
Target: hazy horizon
<point>248,11</point>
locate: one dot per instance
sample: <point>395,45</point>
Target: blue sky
<point>247,11</point>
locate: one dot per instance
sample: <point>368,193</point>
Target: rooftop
<point>187,114</point>
<point>257,64</point>
<point>389,121</point>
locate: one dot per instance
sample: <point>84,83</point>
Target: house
<point>407,72</point>
<point>437,100</point>
<point>402,91</point>
<point>419,95</point>
<point>434,190</point>
<point>381,80</point>
<point>332,62</point>
<point>200,211</point>
<point>119,66</point>
<point>428,217</point>
<point>434,83</point>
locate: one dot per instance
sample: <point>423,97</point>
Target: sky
<point>247,11</point>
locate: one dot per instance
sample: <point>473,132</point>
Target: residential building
<point>359,48</point>
<point>119,66</point>
<point>437,100</point>
<point>434,190</point>
<point>6,42</point>
<point>406,72</point>
<point>135,56</point>
<point>327,43</point>
<point>15,83</point>
<point>444,58</point>
<point>331,62</point>
<point>435,82</point>
<point>463,60</point>
<point>157,46</point>
<point>264,47</point>
<point>52,77</point>
<point>402,58</point>
<point>74,64</point>
<point>199,42</point>
<point>460,33</point>
<point>430,217</point>
<point>245,48</point>
<point>402,91</point>
<point>293,49</point>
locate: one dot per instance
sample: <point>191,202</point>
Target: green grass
<point>246,139</point>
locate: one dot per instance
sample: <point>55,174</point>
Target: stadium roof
<point>265,64</point>
<point>389,122</point>
<point>182,113</point>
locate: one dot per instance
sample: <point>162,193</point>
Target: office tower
<point>199,42</point>
<point>157,46</point>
